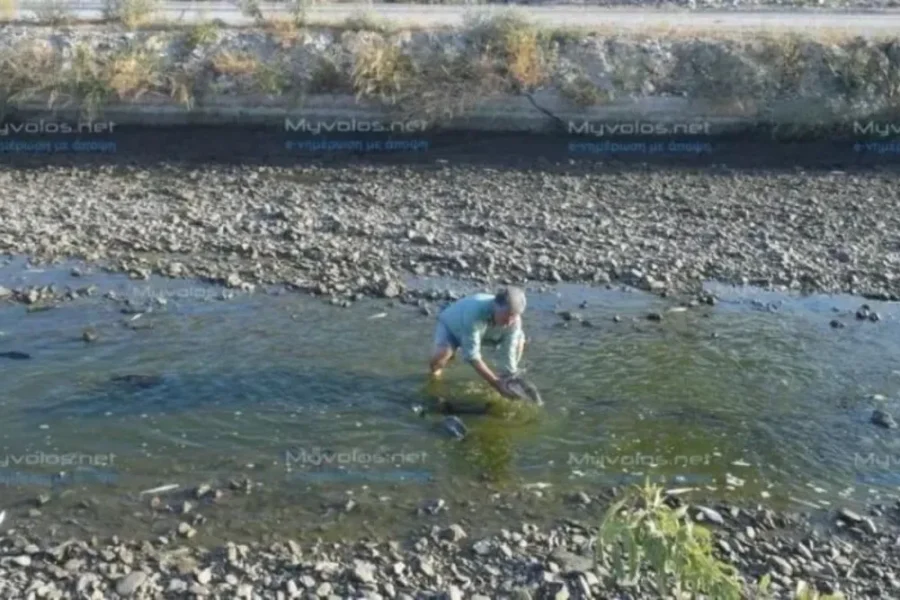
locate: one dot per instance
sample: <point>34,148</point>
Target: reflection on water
<point>717,396</point>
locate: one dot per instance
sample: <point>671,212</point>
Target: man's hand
<point>495,382</point>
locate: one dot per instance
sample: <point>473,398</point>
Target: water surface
<point>313,404</point>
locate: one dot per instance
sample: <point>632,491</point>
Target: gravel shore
<point>358,230</point>
<point>853,553</point>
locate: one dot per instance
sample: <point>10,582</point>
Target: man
<point>470,321</point>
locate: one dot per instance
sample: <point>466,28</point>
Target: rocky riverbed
<point>855,554</point>
<point>356,230</point>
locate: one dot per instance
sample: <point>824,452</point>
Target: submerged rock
<point>883,419</point>
<point>455,427</point>
<point>138,381</point>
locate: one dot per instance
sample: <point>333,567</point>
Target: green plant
<point>641,530</point>
<point>271,80</point>
<point>581,91</point>
<point>201,34</point>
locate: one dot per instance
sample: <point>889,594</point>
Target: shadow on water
<point>488,450</point>
<point>142,393</point>
<point>267,146</point>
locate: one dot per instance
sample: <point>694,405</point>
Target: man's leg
<point>440,358</point>
<point>444,350</point>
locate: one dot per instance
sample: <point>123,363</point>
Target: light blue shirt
<point>471,321</point>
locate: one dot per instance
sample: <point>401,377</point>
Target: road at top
<point>862,23</point>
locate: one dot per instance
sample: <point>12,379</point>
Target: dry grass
<point>285,30</point>
<point>32,72</point>
<point>235,64</point>
<point>132,74</point>
<point>251,71</point>
<point>131,13</point>
<point>382,71</point>
<point>519,46</point>
<point>503,54</point>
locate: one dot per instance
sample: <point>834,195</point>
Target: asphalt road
<point>862,23</point>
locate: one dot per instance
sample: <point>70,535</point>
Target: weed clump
<point>642,534</point>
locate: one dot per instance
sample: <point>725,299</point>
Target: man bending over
<point>495,319</point>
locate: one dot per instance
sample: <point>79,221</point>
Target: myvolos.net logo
<point>875,128</point>
<point>352,456</point>
<point>627,128</point>
<point>354,126</point>
<point>56,127</point>
<point>53,459</point>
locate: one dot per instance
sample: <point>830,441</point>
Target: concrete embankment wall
<point>499,74</point>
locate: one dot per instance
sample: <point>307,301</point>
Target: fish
<point>15,355</point>
<point>523,390</point>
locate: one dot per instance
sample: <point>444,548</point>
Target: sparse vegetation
<point>130,13</point>
<point>33,72</point>
<point>498,54</point>
<point>521,49</point>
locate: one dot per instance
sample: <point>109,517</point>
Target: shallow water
<point>312,402</point>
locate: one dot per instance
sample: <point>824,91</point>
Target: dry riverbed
<point>346,232</point>
<point>856,554</point>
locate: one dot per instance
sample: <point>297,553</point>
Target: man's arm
<point>471,349</point>
<point>509,350</point>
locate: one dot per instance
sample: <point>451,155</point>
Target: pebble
<point>883,419</point>
<point>129,584</point>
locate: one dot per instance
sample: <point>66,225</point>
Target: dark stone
<point>138,381</point>
<point>883,419</point>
